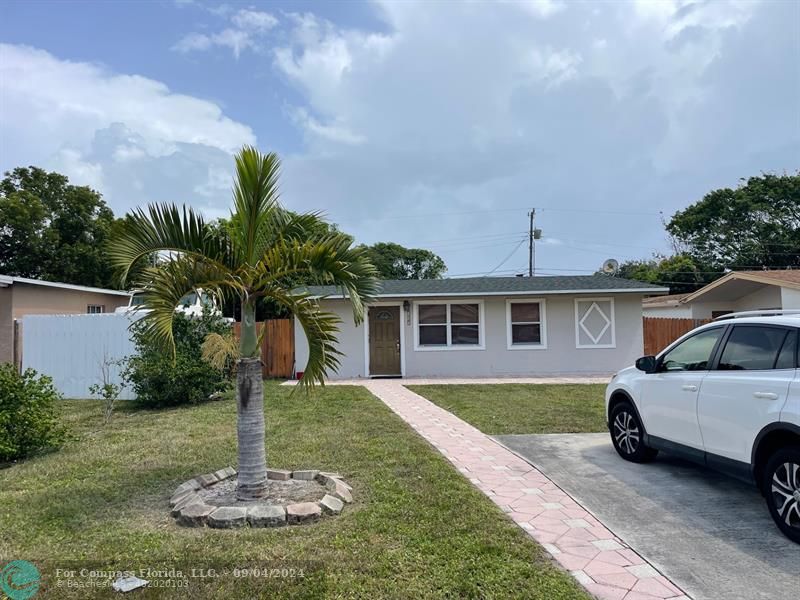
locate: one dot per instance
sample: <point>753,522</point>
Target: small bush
<point>158,380</point>
<point>28,414</point>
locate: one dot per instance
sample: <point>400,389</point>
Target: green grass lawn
<point>522,408</point>
<point>417,528</point>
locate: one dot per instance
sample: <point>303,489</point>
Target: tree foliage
<point>681,273</point>
<point>160,379</point>
<point>50,229</point>
<point>29,417</point>
<point>756,225</point>
<point>394,261</point>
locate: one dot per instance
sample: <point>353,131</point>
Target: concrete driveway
<point>709,534</point>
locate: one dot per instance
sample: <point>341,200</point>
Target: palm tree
<point>262,252</point>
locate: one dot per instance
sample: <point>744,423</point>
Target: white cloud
<point>130,137</point>
<point>458,108</point>
<point>541,9</point>
<point>335,132</point>
<point>247,32</point>
<point>254,20</point>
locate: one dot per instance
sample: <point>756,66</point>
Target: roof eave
<point>505,293</point>
<point>6,281</point>
<point>740,276</point>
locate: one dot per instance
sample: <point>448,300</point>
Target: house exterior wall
<point>790,299</point>
<point>43,300</point>
<point>6,326</point>
<point>22,299</point>
<point>668,312</point>
<point>767,297</point>
<point>495,359</point>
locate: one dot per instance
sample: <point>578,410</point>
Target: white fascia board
<point>514,293</point>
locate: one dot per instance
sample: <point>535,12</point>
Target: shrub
<point>28,414</point>
<point>159,380</point>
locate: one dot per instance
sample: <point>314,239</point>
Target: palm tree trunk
<point>250,428</point>
<point>250,411</point>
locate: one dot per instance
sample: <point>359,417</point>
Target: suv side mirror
<point>647,364</point>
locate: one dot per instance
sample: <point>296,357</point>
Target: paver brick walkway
<point>599,560</point>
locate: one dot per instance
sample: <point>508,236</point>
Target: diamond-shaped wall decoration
<point>595,323</point>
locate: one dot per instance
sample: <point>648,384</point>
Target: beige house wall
<point>20,299</point>
<point>43,300</point>
<point>6,326</point>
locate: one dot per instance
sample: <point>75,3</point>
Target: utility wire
<point>502,262</point>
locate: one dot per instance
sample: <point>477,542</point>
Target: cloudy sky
<point>431,124</point>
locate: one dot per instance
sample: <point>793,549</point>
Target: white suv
<point>727,395</point>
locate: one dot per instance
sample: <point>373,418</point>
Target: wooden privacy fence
<point>660,332</point>
<point>277,348</point>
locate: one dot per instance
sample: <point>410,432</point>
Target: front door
<point>384,340</point>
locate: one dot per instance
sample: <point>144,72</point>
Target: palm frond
<point>328,261</point>
<point>321,328</point>
<point>165,227</point>
<point>165,284</point>
<point>220,350</point>
<point>255,198</point>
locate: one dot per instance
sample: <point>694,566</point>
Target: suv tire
<point>781,485</point>
<point>627,434</point>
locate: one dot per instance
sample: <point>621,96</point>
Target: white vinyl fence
<point>72,348</point>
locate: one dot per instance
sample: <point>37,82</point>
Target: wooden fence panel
<point>277,351</point>
<point>661,332</point>
<point>277,348</point>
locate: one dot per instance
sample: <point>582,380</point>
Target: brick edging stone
<point>190,510</point>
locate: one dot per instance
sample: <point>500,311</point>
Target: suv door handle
<point>689,388</point>
<point>765,395</point>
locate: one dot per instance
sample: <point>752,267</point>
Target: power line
<point>502,262</point>
<point>518,209</point>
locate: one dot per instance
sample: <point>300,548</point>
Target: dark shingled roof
<point>503,285</point>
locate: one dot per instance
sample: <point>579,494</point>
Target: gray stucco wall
<point>560,356</point>
<point>768,297</point>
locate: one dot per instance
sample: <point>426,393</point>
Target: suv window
<point>752,348</point>
<point>692,354</point>
<point>787,357</point>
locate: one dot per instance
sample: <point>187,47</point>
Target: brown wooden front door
<point>384,340</point>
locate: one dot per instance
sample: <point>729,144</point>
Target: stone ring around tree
<point>292,497</point>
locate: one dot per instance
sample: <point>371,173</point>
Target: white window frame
<point>449,347</point>
<point>542,345</point>
<point>611,318</point>
<point>89,308</point>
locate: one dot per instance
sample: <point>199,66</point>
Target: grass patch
<point>417,528</point>
<point>522,407</point>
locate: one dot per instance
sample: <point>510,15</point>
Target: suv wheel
<point>627,435</point>
<point>782,487</point>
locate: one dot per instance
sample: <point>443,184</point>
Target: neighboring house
<point>736,291</point>
<point>21,296</point>
<point>489,326</point>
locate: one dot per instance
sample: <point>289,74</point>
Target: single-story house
<point>489,326</point>
<point>735,291</point>
<point>20,296</point>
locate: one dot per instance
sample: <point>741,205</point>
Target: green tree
<point>263,248</point>
<point>394,261</point>
<point>53,230</point>
<point>755,225</point>
<point>680,273</point>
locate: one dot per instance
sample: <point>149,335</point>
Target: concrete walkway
<point>599,560</point>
